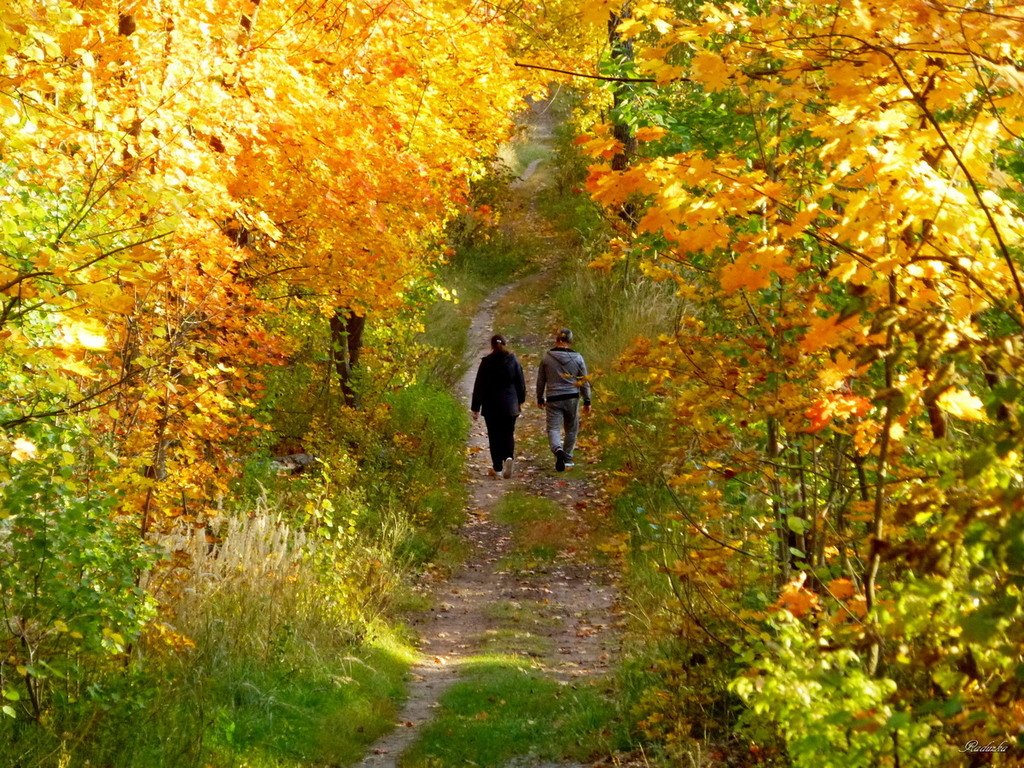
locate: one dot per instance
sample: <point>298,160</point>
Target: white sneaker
<point>569,463</point>
<point>506,469</point>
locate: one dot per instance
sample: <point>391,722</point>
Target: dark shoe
<point>569,463</point>
<point>559,460</point>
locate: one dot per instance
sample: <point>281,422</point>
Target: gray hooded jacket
<point>562,375</point>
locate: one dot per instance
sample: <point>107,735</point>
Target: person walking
<point>499,393</point>
<point>561,383</point>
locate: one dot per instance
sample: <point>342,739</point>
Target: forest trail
<point>525,588</point>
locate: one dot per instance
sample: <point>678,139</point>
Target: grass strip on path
<point>504,708</point>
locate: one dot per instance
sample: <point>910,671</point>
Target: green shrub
<point>70,603</point>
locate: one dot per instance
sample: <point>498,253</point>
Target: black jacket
<point>500,387</point>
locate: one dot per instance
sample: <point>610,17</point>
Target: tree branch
<point>606,78</point>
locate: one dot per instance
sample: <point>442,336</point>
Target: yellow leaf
<point>24,450</point>
<point>799,223</point>
<point>710,70</point>
<point>78,334</point>
<point>598,11</point>
<point>76,367</point>
<point>630,28</point>
<point>663,26</point>
<point>602,146</point>
<point>657,219</point>
<point>742,274</point>
<point>650,133</point>
<point>121,303</point>
<point>666,73</point>
<point>962,404</point>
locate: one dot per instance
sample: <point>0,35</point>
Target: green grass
<point>517,642</point>
<point>503,709</point>
<point>538,529</point>
<point>526,153</point>
<point>279,718</point>
<point>523,629</point>
<point>521,509</point>
<point>477,269</point>
<point>199,711</point>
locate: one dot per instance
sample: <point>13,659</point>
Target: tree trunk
<point>781,522</point>
<point>622,52</point>
<point>346,343</point>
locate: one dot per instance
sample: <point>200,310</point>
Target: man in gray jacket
<point>561,383</point>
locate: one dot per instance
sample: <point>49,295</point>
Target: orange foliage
<point>185,173</point>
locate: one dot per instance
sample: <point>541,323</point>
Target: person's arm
<point>541,379</point>
<point>585,388</point>
<point>520,383</point>
<point>478,391</point>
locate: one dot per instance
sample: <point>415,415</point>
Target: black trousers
<point>501,438</point>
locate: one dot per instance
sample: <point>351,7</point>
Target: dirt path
<point>569,602</point>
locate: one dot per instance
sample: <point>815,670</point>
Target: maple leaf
<point>602,146</point>
<point>796,599</point>
<point>597,12</point>
<point>835,405</point>
<point>630,28</point>
<point>650,133</point>
<point>743,274</point>
<point>962,404</point>
<point>799,223</point>
<point>710,70</point>
<point>658,219</point>
<point>838,373</point>
<point>825,332</point>
<point>841,589</point>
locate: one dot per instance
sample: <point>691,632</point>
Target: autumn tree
<point>835,193</point>
<point>189,193</point>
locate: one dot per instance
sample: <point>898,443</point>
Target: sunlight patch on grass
<point>504,709</point>
<point>276,717</point>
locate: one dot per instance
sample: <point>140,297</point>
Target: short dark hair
<point>564,335</point>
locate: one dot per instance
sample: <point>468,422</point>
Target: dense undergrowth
<point>272,625</point>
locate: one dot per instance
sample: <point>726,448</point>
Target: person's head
<point>563,338</point>
<point>498,343</point>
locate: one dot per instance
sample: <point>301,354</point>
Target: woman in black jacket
<point>499,392</point>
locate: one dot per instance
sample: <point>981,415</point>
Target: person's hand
<point>541,406</point>
<point>476,415</point>
<point>586,410</point>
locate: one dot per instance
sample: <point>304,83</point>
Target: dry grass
<point>609,313</point>
<point>257,585</point>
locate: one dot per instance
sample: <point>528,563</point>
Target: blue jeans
<point>563,415</point>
